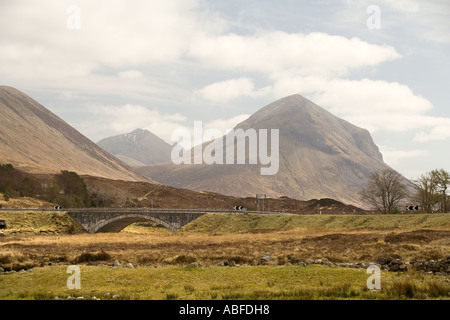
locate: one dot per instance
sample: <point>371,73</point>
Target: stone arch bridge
<point>114,220</point>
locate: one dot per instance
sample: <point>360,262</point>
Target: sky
<point>109,67</point>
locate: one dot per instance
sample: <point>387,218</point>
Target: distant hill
<point>34,139</point>
<point>321,156</point>
<point>109,193</point>
<point>137,148</point>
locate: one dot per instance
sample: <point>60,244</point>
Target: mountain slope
<point>37,141</point>
<point>137,148</point>
<point>321,156</point>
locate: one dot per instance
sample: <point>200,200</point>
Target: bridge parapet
<point>114,220</point>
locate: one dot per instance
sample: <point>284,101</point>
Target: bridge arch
<point>117,223</point>
<point>115,219</point>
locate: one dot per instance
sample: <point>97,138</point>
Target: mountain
<point>320,156</point>
<point>137,148</point>
<point>35,140</point>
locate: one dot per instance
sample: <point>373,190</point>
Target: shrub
<point>171,296</point>
<point>182,259</point>
<point>4,259</point>
<point>404,288</point>
<point>438,289</point>
<point>91,257</point>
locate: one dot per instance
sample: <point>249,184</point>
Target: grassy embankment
<point>61,223</point>
<point>248,223</point>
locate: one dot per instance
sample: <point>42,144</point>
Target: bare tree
<point>432,188</point>
<point>443,182</point>
<point>384,190</point>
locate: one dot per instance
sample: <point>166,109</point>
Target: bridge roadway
<point>96,220</point>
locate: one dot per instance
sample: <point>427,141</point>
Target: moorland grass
<point>214,238</point>
<point>214,222</point>
<point>61,222</point>
<point>224,283</point>
<point>39,222</point>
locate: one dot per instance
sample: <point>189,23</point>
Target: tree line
<point>66,189</point>
<point>385,191</point>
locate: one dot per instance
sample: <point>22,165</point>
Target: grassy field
<point>189,264</point>
<point>60,222</point>
<point>245,223</point>
<point>243,283</point>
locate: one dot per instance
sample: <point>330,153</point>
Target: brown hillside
<point>142,194</point>
<point>37,141</point>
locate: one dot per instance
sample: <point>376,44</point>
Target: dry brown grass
<point>24,203</point>
<point>40,238</point>
<point>161,248</point>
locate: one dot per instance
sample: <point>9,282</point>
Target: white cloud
<point>130,75</point>
<point>437,133</point>
<point>227,90</point>
<point>427,20</point>
<point>406,6</point>
<point>433,25</point>
<point>286,60</point>
<point>372,96</point>
<point>277,53</point>
<point>38,47</point>
<point>395,157</point>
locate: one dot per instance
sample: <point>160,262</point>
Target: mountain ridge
<point>139,147</point>
<point>321,156</point>
<point>36,140</point>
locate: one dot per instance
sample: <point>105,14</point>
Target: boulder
<point>193,265</point>
<point>318,261</point>
<point>383,260</point>
<point>393,267</point>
